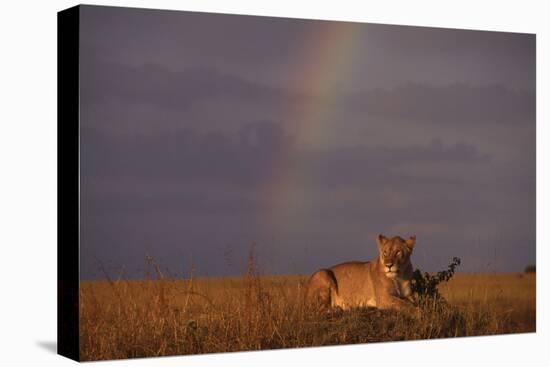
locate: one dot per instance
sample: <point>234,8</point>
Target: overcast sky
<point>202,133</point>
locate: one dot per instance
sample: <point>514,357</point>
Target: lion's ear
<point>380,241</point>
<point>410,242</point>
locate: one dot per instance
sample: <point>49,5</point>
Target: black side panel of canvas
<point>68,343</point>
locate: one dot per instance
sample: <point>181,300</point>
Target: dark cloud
<point>187,156</point>
<point>252,156</point>
<point>155,85</point>
<point>456,103</point>
<point>151,99</point>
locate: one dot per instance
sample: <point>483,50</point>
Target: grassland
<point>126,319</point>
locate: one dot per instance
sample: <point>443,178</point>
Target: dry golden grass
<point>126,319</point>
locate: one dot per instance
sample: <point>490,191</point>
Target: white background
<point>28,181</point>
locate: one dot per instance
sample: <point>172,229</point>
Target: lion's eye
<point>399,253</point>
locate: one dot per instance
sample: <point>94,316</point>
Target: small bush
<point>425,286</point>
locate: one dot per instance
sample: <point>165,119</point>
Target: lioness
<point>384,282</point>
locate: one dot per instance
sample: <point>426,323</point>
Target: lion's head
<point>395,254</point>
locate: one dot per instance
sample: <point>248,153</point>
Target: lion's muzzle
<point>391,269</point>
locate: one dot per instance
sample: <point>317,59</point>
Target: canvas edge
<point>68,183</point>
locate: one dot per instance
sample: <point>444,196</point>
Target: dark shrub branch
<point>425,286</point>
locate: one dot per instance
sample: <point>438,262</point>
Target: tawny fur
<point>384,282</point>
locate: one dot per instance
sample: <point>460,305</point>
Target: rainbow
<point>328,61</point>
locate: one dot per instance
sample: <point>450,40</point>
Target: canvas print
<point>251,183</point>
